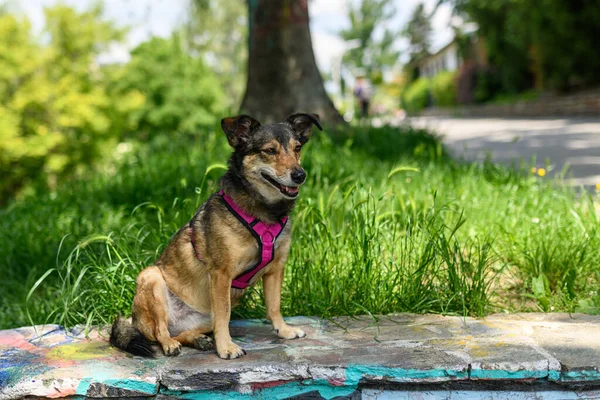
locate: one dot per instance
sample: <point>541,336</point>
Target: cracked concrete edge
<point>334,381</point>
<point>328,382</point>
<point>289,379</point>
<point>272,382</point>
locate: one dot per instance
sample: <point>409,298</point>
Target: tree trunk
<point>283,77</point>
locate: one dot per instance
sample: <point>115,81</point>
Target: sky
<point>159,17</point>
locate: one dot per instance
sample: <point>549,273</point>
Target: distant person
<point>363,92</point>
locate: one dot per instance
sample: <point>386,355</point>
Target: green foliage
<point>372,56</point>
<point>564,40</point>
<point>555,48</point>
<point>219,30</point>
<point>55,113</point>
<point>370,233</point>
<point>61,113</point>
<point>182,94</point>
<point>526,96</point>
<point>443,89</point>
<point>502,26</point>
<point>487,85</point>
<point>416,96</point>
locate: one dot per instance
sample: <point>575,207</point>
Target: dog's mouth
<point>289,191</point>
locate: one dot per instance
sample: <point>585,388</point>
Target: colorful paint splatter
<point>337,358</point>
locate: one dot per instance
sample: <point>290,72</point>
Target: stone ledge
<point>338,358</point>
<point>582,104</point>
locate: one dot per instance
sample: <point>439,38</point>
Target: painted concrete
<point>407,356</point>
<point>370,394</point>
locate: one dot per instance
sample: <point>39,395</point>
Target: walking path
<point>398,356</point>
<point>562,141</point>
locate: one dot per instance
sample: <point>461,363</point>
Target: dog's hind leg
<point>151,312</point>
<point>196,338</point>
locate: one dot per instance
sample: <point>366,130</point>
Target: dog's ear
<point>238,129</point>
<point>302,124</point>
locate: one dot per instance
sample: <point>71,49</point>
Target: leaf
<point>539,285</point>
<point>402,168</point>
<point>215,166</point>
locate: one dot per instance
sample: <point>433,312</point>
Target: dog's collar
<point>265,235</point>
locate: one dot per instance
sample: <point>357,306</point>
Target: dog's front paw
<point>289,332</point>
<point>172,348</point>
<point>230,350</point>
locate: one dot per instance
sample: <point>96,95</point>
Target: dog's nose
<point>298,175</point>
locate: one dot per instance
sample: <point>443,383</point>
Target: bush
<point>487,85</point>
<point>182,93</point>
<point>416,96</point>
<point>61,115</point>
<point>443,89</point>
<point>56,117</point>
<point>466,81</point>
<point>505,98</point>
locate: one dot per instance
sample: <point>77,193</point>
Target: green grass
<point>505,98</point>
<point>386,222</point>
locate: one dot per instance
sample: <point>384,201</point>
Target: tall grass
<point>386,222</point>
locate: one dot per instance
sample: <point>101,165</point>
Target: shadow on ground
<point>563,142</point>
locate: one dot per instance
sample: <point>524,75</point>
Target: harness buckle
<point>264,234</point>
<point>267,238</point>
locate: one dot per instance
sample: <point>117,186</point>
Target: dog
<point>239,235</point>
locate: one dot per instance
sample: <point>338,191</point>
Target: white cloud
<point>34,10</point>
<point>146,18</point>
<point>440,25</point>
<point>328,17</point>
<point>326,47</point>
<point>319,7</point>
<point>116,53</point>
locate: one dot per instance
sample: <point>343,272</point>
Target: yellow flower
<point>533,170</point>
<point>597,186</point>
<point>541,172</point>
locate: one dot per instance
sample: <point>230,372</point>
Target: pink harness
<point>265,235</point>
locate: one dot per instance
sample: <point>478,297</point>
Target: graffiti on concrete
<point>338,358</point>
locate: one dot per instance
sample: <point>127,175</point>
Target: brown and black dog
<point>188,291</point>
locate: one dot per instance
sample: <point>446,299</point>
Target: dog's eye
<point>270,151</point>
<point>298,148</point>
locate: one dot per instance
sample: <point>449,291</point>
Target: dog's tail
<point>126,337</point>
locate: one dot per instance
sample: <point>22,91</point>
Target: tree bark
<point>283,77</point>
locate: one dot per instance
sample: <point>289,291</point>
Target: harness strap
<point>265,235</point>
<point>192,236</point>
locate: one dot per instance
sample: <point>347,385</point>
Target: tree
<point>371,56</point>
<point>551,41</point>
<point>217,31</point>
<point>181,93</point>
<point>418,33</point>
<point>54,109</point>
<point>505,39</point>
<point>564,41</point>
<point>282,74</point>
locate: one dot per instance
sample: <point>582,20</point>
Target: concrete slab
<point>371,394</point>
<point>339,358</point>
<point>564,142</point>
